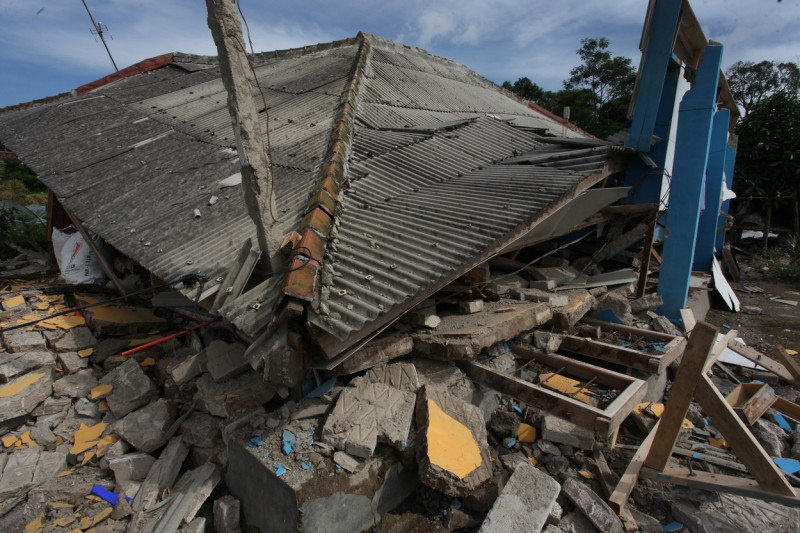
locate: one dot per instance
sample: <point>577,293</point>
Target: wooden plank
<point>93,247</point>
<point>787,360</point>
<point>785,407</point>
<point>576,368</point>
<point>613,354</point>
<point>730,264</point>
<point>747,449</point>
<point>739,467</point>
<point>619,409</point>
<point>552,402</point>
<point>648,334</point>
<point>757,357</point>
<point>608,481</point>
<point>718,483</point>
<point>694,359</point>
<point>622,492</point>
<point>687,316</point>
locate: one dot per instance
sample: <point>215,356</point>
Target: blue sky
<point>47,47</point>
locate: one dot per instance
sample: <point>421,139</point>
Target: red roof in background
<point>140,67</point>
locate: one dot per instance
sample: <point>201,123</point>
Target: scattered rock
<point>146,429</point>
<point>131,388</point>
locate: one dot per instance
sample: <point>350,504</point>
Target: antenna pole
<point>99,29</point>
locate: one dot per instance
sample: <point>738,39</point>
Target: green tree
<point>751,82</point>
<point>768,156</point>
<point>525,88</point>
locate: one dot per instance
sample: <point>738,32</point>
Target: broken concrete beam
<point>19,340</point>
<point>546,341</point>
<point>525,502</point>
<point>146,429</point>
<point>21,395</point>
<point>470,307</point>
<point>77,385</point>
<point>243,393</point>
<point>131,388</point>
<point>558,274</point>
<point>131,467</point>
<point>368,413</point>
<point>226,514</point>
<point>162,474</point>
<point>452,451</point>
<point>580,302</point>
<point>592,506</point>
<point>337,513</point>
<point>15,364</point>
<point>558,430</point>
<point>381,350</point>
<point>648,302</point>
<point>224,360</point>
<point>401,376</point>
<point>464,336</point>
<point>536,295</point>
<point>74,340</point>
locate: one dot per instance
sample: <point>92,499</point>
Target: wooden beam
<point>613,354</point>
<point>787,360</point>
<point>622,492</point>
<point>608,481</point>
<point>96,251</point>
<point>621,328</point>
<point>785,407</point>
<point>755,356</point>
<point>576,368</point>
<point>718,483</point>
<point>744,444</point>
<point>687,316</point>
<point>719,347</point>
<point>694,358</point>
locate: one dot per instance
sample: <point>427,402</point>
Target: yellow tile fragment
<point>564,385</point>
<point>10,440</point>
<point>657,409</point>
<point>66,473</point>
<point>41,306</point>
<point>64,521</point>
<point>20,385</point>
<point>647,408</point>
<point>16,301</point>
<point>26,439</point>
<point>102,515</point>
<point>106,442</point>
<point>65,321</point>
<point>60,505</point>
<point>791,352</point>
<point>719,443</point>
<point>59,440</point>
<point>87,437</point>
<point>148,362</point>
<point>533,461</point>
<point>100,391</point>
<point>85,353</point>
<point>88,456</point>
<point>585,474</point>
<point>451,445</point>
<point>37,524</point>
<point>526,433</point>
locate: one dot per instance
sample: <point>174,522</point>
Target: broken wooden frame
<point>651,459</point>
<point>602,421</point>
<point>653,363</point>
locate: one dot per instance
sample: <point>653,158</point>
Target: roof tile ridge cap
<point>146,65</point>
<point>317,225</point>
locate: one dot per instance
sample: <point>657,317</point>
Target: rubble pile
<point>517,413</point>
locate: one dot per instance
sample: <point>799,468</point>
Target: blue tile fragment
<point>790,466</point>
<point>289,440</point>
<point>279,470</point>
<point>783,423</point>
<point>511,443</point>
<point>256,441</point>
<point>518,409</point>
<point>674,526</point>
<point>323,389</point>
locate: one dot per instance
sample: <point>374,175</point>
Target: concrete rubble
<point>186,436</point>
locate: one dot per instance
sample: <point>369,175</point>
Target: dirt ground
<point>777,323</point>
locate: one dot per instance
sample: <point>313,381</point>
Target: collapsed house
<point>421,205</point>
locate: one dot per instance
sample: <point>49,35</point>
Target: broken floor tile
<point>525,502</point>
<point>131,388</point>
<point>580,302</point>
<point>146,429</point>
<point>451,448</point>
<point>592,506</point>
<point>364,414</point>
<point>21,395</point>
<point>401,376</point>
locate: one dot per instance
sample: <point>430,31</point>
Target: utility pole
<point>238,78</point>
<point>98,29</point>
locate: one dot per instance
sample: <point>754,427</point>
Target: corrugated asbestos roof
<point>417,168</point>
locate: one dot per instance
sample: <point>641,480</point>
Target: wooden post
<point>93,247</point>
<point>787,360</point>
<point>238,78</point>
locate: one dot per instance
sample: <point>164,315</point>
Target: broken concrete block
<point>771,436</point>
<point>401,376</point>
<point>423,316</point>
<point>664,325</point>
<point>44,436</point>
<point>338,513</point>
<point>146,429</point>
<point>618,304</point>
<point>546,341</point>
<point>525,502</point>
<point>225,360</point>
<point>19,471</point>
<point>346,461</point>
<point>71,362</point>
<point>19,340</point>
<point>398,485</point>
<point>648,302</point>
<point>470,307</point>
<point>592,506</point>
<point>452,451</point>
<point>18,363</point>
<point>559,274</point>
<point>240,394</point>
<point>381,350</point>
<point>162,474</point>
<point>558,430</point>
<point>77,385</point>
<point>131,467</point>
<point>183,370</point>
<point>75,339</point>
<point>51,406</point>
<point>131,388</point>
<point>200,429</point>
<point>543,285</point>
<point>226,515</point>
<point>364,414</point>
<point>21,395</point>
<point>85,407</point>
<point>580,302</point>
<point>536,295</point>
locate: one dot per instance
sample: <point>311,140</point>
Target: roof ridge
<point>317,224</point>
